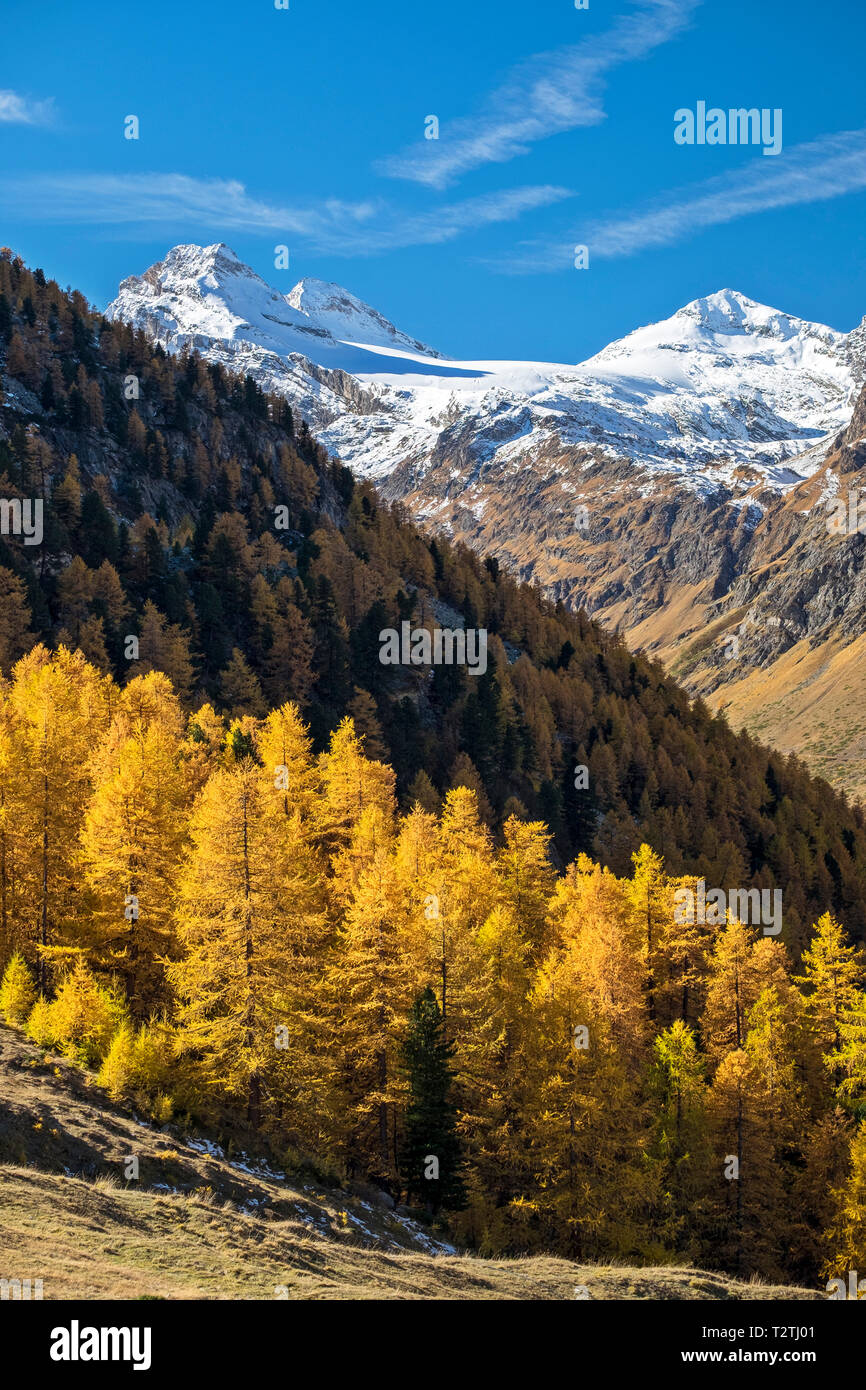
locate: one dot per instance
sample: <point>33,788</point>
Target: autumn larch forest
<point>254,879</point>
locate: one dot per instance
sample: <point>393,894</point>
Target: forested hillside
<point>239,932</point>
<point>185,508</point>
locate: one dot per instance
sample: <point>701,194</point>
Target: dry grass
<point>809,701</point>
<point>90,1240</point>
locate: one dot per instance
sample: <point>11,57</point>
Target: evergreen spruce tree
<point>431,1158</point>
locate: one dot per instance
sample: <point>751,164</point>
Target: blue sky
<point>305,127</point>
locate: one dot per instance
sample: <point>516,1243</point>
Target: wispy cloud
<point>18,110</point>
<point>446,223</point>
<point>139,202</point>
<point>547,94</point>
<point>808,173</point>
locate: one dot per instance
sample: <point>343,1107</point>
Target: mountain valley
<point>676,485</point>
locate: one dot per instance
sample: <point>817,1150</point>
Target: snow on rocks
<point>723,383</point>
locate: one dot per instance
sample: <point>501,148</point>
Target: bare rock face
<point>801,576</point>
<point>856,351</point>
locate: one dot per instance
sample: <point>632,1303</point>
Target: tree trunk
<point>43,964</point>
<point>739,1180</point>
<point>4,925</point>
<point>383,1111</point>
<point>254,1082</point>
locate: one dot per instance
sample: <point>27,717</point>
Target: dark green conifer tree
<point>431,1159</point>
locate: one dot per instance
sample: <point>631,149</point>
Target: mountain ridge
<point>642,484</point>
<point>724,381</point>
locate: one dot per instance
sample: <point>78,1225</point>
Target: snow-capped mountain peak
<point>207,291</point>
<point>348,318</point>
<point>193,259</point>
<point>198,293</point>
<point>211,268</point>
<point>307,344</point>
<point>729,311</point>
<point>727,321</point>
<point>732,313</point>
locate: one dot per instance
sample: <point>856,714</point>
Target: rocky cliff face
<point>782,643</point>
